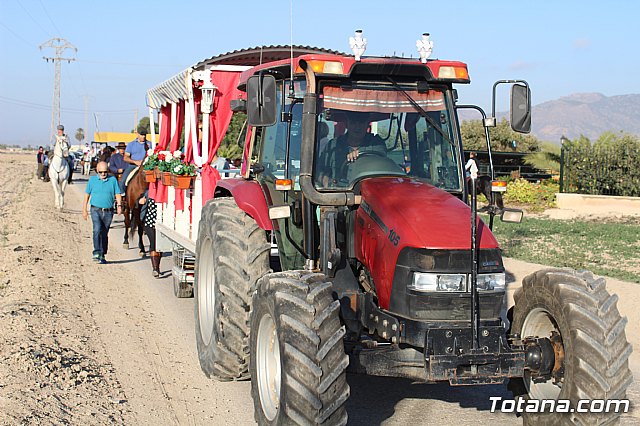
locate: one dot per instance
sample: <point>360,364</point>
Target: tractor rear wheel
<point>232,254</point>
<point>575,310</point>
<point>298,364</point>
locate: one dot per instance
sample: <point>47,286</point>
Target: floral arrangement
<point>179,167</point>
<point>165,160</point>
<point>152,161</point>
<point>184,169</point>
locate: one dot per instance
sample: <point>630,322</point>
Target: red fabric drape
<point>226,84</point>
<point>157,190</point>
<point>174,145</point>
<point>165,128</point>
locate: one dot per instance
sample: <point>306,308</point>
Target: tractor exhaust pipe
<point>309,114</point>
<point>475,301</point>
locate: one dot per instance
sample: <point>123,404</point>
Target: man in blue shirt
<point>102,190</point>
<point>116,162</point>
<point>133,155</point>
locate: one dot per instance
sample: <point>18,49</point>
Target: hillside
<point>589,114</point>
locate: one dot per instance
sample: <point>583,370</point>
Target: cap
<point>121,145</point>
<point>142,131</point>
<point>60,127</point>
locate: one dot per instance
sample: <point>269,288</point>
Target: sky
<point>126,47</point>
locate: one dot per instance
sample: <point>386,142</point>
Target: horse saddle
<point>131,176</point>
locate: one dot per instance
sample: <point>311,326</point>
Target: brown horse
<point>483,186</point>
<point>131,209</point>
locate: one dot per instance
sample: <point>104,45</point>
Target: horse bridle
<point>65,162</point>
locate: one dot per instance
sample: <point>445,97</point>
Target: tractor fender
<point>249,197</point>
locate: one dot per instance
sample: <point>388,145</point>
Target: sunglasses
<point>102,172</point>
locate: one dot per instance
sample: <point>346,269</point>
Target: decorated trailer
<point>349,241</point>
<point>193,110</point>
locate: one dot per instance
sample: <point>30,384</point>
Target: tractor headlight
<point>423,281</point>
<point>438,282</point>
<point>491,282</point>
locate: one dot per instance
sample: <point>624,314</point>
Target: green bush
<point>606,167</point>
<point>534,196</point>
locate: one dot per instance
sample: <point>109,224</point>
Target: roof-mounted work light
<point>358,44</point>
<point>425,47</point>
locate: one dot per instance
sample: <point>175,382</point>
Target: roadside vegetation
<point>610,247</point>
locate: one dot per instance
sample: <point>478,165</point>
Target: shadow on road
<point>374,399</point>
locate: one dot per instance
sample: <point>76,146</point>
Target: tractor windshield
<point>385,129</point>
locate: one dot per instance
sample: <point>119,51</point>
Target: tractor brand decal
<point>393,237</point>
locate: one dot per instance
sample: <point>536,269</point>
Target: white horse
<point>59,170</point>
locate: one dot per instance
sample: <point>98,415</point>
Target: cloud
<point>521,65</point>
<point>581,43</point>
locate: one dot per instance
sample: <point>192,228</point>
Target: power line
<point>48,107</point>
<point>130,64</point>
<point>33,19</point>
<point>16,35</point>
<point>51,20</point>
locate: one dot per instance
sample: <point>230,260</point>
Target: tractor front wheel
<point>298,365</point>
<point>580,319</point>
<point>232,253</point>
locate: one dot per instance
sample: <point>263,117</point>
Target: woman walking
<point>148,216</point>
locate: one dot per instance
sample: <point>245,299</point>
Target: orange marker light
<point>323,67</point>
<point>451,72</point>
<point>498,186</point>
<point>284,184</point>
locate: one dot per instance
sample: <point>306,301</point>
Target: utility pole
<point>59,44</point>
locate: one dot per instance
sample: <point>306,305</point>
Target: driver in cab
<point>340,152</point>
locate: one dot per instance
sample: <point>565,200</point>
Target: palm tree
<point>548,158</point>
<point>80,135</point>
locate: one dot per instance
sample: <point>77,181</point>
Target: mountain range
<point>588,114</point>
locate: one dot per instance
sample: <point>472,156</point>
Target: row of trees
<point>608,166</point>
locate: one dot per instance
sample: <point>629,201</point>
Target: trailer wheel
<point>298,364</point>
<point>232,253</point>
<point>591,349</point>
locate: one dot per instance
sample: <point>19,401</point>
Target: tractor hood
<point>420,215</point>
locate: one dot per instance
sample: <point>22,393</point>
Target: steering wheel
<point>345,164</point>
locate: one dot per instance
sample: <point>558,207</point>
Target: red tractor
<point>350,243</point>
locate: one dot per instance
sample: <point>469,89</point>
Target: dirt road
<point>89,344</point>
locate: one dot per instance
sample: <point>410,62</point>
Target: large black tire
<point>298,364</point>
<point>577,306</point>
<point>232,254</point>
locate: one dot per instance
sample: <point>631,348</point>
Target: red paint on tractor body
<point>404,212</point>
<point>250,198</point>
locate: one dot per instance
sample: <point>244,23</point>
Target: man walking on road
<point>102,190</point>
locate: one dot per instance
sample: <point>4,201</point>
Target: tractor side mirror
<point>521,108</point>
<point>261,100</point>
<point>511,215</point>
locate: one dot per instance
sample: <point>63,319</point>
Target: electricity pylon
<point>59,44</point>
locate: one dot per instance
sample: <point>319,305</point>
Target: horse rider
<point>117,163</point>
<point>63,139</point>
<point>135,152</point>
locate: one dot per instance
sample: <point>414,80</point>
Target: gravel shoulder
<point>89,344</point>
